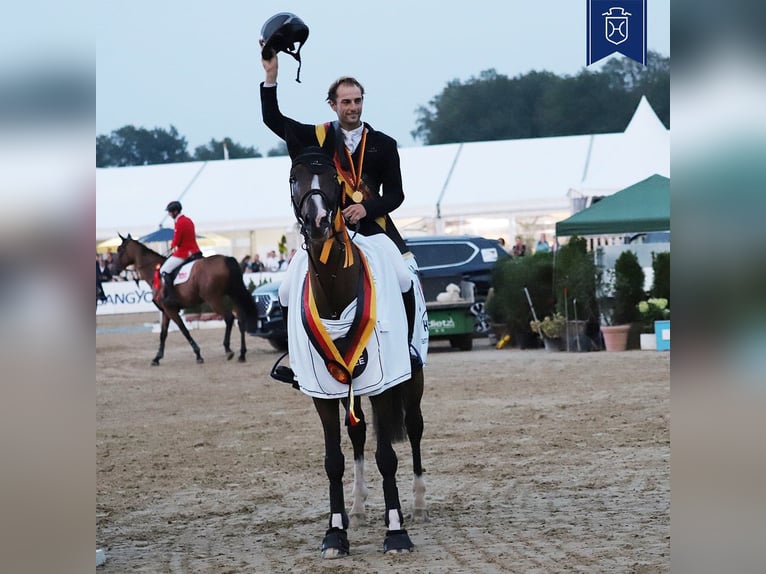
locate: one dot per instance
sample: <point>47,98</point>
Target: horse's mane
<point>147,251</point>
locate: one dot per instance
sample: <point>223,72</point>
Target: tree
<point>138,146</point>
<point>278,150</point>
<point>538,104</point>
<point>214,150</point>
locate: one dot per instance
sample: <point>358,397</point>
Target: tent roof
<point>644,206</point>
<point>530,176</point>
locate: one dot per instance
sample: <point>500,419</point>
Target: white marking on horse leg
<point>419,508</point>
<point>359,492</point>
<point>393,520</point>
<point>337,521</point>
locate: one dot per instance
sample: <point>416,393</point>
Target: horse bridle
<point>317,163</point>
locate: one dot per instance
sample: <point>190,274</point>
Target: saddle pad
<point>184,273</point>
<point>386,358</point>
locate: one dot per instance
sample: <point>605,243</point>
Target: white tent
<point>508,179</point>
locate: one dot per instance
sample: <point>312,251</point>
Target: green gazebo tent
<point>643,206</point>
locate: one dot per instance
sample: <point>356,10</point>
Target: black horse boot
<point>169,296</point>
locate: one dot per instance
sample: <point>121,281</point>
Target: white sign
<point>131,297</point>
<point>126,297</point>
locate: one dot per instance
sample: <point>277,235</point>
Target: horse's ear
<point>128,237</point>
<point>294,145</point>
<point>120,236</point>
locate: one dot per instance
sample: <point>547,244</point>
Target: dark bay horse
<point>215,280</point>
<point>330,277</point>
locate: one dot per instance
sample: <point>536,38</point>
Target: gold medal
<point>357,196</point>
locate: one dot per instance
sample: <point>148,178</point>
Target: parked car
<point>271,326</point>
<point>442,260</point>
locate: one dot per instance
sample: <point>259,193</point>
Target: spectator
<point>245,264</point>
<point>271,263</point>
<point>103,271</point>
<point>542,245</point>
<point>102,274</point>
<point>501,241</point>
<point>519,249</point>
<point>256,265</point>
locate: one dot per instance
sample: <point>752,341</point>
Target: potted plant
<point>508,304</point>
<point>552,328</point>
<point>621,290</point>
<point>574,283</point>
<point>651,310</point>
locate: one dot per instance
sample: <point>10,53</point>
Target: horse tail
<point>246,309</point>
<point>393,411</point>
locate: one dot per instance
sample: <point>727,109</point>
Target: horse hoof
<point>156,363</point>
<point>200,360</point>
<point>397,542</point>
<point>241,359</point>
<point>420,515</point>
<point>229,355</point>
<point>335,543</point>
<point>357,519</point>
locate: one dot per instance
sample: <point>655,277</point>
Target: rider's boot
<point>169,294</point>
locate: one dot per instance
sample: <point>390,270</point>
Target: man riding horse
<point>184,247</point>
<point>367,162</point>
<point>349,332</point>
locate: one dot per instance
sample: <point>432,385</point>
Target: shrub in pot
<point>628,288</point>
<point>620,291</point>
<point>509,304</point>
<point>575,277</point>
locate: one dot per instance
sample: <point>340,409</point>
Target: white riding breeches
<point>171,263</point>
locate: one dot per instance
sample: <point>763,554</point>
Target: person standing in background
<point>542,245</point>
<point>519,249</point>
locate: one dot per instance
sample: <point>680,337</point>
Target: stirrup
<point>284,374</point>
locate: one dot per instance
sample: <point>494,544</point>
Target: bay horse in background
<point>215,280</point>
<point>322,285</point>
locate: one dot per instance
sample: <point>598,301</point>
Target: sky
<point>196,65</point>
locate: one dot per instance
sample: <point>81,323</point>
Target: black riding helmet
<point>174,206</point>
<point>280,33</point>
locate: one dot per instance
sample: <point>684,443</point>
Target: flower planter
<point>553,345</point>
<point>615,337</point>
<point>648,342</point>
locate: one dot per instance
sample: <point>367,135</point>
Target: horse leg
<point>358,435</point>
<point>413,420</point>
<point>242,346</point>
<point>228,319</point>
<point>335,543</point>
<point>163,336</point>
<point>397,540</point>
<point>177,320</point>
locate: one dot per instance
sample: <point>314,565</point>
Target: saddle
<point>176,276</point>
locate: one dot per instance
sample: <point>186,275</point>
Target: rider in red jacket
<point>184,245</point>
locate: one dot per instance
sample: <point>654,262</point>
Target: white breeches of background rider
<point>171,263</point>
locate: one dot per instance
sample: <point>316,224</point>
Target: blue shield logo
<point>616,26</point>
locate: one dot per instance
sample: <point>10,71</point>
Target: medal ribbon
<point>352,181</point>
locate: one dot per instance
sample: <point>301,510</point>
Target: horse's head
<point>315,193</point>
<point>126,253</point>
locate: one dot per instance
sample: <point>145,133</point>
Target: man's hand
<point>271,66</point>
<point>353,213</point>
